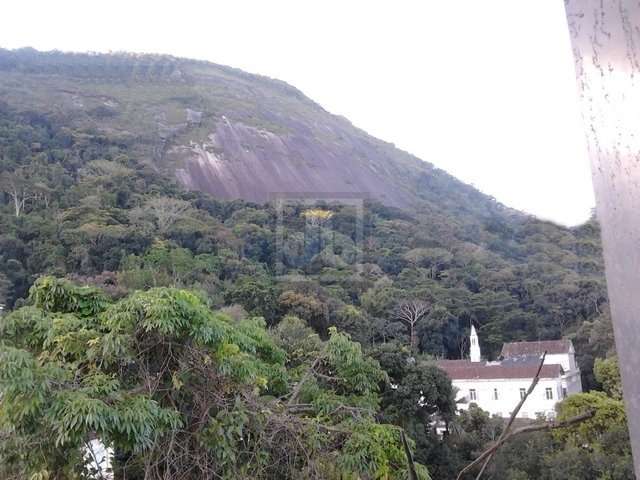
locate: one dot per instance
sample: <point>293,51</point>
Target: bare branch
<point>410,312</point>
<point>413,475</point>
<point>505,432</point>
<point>167,211</point>
<point>547,426</point>
<point>303,380</point>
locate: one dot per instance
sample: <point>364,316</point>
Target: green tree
<point>607,373</point>
<point>256,294</point>
<point>5,285</point>
<point>604,436</point>
<point>180,391</point>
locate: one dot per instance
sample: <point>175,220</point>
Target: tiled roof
<point>522,360</point>
<point>455,363</point>
<point>535,348</point>
<point>467,370</point>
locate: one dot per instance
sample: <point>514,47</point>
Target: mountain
<point>103,156</point>
<point>149,177</point>
<point>220,130</point>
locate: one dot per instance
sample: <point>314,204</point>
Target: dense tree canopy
<point>186,324</point>
<point>106,210</point>
<point>180,391</point>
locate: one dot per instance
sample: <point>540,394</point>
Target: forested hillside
<point>97,194</point>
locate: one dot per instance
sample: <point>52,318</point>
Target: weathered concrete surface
<point>605,36</point>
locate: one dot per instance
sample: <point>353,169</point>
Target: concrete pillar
<point>605,36</point>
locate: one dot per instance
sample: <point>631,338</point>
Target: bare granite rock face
<point>241,161</point>
<point>226,132</point>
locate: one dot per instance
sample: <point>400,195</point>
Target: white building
<point>498,386</point>
<point>98,459</point>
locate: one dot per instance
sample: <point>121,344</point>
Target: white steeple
<point>474,348</point>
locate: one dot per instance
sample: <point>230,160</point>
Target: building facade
<point>498,386</point>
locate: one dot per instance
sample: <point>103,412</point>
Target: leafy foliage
<point>138,346</point>
<point>595,448</point>
<point>177,389</point>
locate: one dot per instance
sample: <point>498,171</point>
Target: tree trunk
<point>16,201</point>
<point>413,337</point>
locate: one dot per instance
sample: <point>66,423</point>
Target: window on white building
<point>548,393</point>
<point>564,392</point>
<point>495,394</point>
<point>522,393</point>
<point>472,394</point>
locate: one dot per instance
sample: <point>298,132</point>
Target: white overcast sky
<point>483,89</point>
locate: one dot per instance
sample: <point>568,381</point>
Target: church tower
<point>474,348</point>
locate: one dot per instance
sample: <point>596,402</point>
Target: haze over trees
<point>251,340</point>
